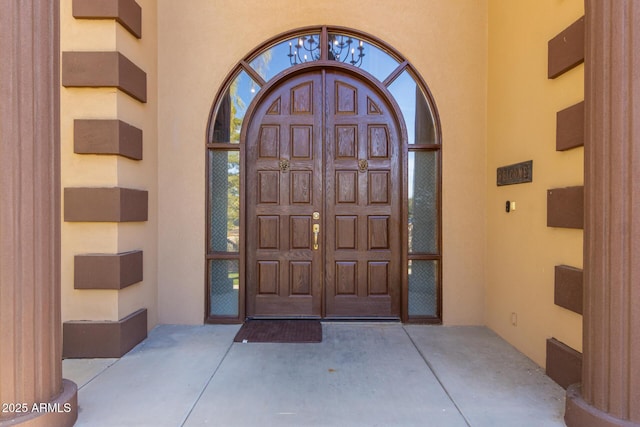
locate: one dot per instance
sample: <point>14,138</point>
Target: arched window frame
<point>234,259</point>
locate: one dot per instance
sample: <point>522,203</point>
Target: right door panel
<point>363,198</point>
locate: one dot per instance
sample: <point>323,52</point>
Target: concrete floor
<point>362,374</point>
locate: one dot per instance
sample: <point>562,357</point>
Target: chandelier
<point>339,48</point>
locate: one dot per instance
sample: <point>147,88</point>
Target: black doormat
<point>280,331</point>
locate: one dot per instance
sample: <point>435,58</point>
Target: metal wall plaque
<point>515,174</point>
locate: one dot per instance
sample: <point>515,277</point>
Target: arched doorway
<point>324,184</point>
<point>323,155</point>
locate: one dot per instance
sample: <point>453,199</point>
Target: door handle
<point>316,231</point>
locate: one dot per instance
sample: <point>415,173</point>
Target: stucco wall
<point>143,174</point>
<point>90,170</point>
<point>522,104</point>
<point>201,40</point>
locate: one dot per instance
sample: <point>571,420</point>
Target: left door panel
<point>284,189</point>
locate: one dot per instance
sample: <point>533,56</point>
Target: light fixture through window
<point>339,48</point>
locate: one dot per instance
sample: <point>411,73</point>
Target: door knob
<point>316,231</point>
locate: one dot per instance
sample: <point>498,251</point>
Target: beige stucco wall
<point>201,40</point>
<point>522,104</point>
<point>110,171</point>
<point>143,174</point>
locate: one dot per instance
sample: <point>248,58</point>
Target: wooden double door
<point>323,201</point>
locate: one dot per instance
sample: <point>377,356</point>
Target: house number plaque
<point>515,174</point>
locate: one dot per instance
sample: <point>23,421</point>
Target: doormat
<point>280,331</point>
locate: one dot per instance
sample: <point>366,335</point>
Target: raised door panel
<point>346,142</point>
<point>346,98</point>
<point>302,98</point>
<point>346,278</point>
<point>300,277</point>
<point>346,232</point>
<point>275,107</point>
<point>301,187</point>
<point>268,232</point>
<point>346,185</point>
<point>268,187</point>
<point>268,277</point>
<point>300,232</point>
<point>379,187</point>
<point>301,142</point>
<point>269,142</point>
<point>378,139</point>
<point>378,232</point>
<point>378,277</point>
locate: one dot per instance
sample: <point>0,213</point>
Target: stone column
<point>32,391</point>
<point>610,390</point>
